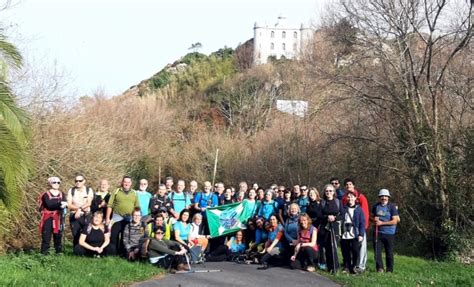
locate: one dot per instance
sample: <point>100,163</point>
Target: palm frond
<point>10,53</point>
<point>14,118</point>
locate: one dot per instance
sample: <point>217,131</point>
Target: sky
<point>111,45</point>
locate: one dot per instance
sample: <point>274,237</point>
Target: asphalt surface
<point>233,274</point>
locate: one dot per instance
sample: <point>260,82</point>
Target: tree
<point>195,47</point>
<point>14,135</point>
<point>410,75</point>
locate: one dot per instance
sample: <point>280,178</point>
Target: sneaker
<point>380,270</point>
<point>310,269</point>
<point>358,270</point>
<point>345,270</point>
<point>322,266</point>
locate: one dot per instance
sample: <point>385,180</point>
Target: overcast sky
<point>110,45</point>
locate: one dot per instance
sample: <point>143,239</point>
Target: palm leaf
<point>10,54</point>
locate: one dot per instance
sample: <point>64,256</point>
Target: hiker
<point>353,231</point>
<point>158,222</point>
<point>251,203</point>
<point>159,201</point>
<point>102,197</point>
<point>193,189</point>
<point>182,229</point>
<point>337,185</point>
<point>79,200</point>
<point>329,229</point>
<point>273,246</point>
<point>51,205</point>
<point>134,236</point>
<point>180,200</point>
<point>291,225</point>
<point>204,200</point>
<point>197,236</point>
<point>306,249</point>
<point>144,198</point>
<point>296,192</point>
<point>269,206</point>
<point>233,247</point>
<point>260,194</point>
<point>121,205</point>
<point>303,200</point>
<point>169,182</point>
<point>284,207</point>
<point>361,200</point>
<point>167,254</point>
<point>219,191</point>
<point>95,238</point>
<point>386,218</point>
<point>313,208</point>
<point>227,199</point>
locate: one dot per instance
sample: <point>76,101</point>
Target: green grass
<point>409,271</point>
<point>34,269</point>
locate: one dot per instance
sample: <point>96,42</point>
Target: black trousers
<point>307,256</point>
<point>46,235</point>
<point>350,253</point>
<point>81,251</point>
<point>320,242</point>
<point>388,242</point>
<point>77,225</point>
<point>221,253</point>
<point>116,236</point>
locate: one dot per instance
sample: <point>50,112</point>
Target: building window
<point>283,46</point>
<point>272,46</point>
<point>272,34</point>
<point>283,34</point>
<point>295,35</point>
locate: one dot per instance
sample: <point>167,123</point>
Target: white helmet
<point>384,192</point>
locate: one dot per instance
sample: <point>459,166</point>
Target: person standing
<point>361,200</point>
<point>52,203</point>
<point>79,200</point>
<point>144,198</point>
<point>180,200</point>
<point>337,185</point>
<point>353,231</point>
<point>122,204</point>
<point>204,200</point>
<point>386,218</point>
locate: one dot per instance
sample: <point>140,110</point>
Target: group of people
<point>295,226</point>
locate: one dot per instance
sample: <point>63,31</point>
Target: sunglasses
<point>79,180</point>
<point>159,232</point>
<point>56,182</point>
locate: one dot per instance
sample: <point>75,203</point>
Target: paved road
<point>241,275</point>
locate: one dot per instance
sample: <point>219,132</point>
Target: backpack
<point>185,196</point>
<point>73,191</point>
<point>338,203</point>
<point>41,202</point>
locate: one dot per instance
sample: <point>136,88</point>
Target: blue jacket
<point>358,220</point>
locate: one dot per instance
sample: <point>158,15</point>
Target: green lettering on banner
<point>227,218</point>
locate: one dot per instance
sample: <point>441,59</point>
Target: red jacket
<point>362,201</point>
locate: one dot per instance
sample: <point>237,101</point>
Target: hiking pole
<point>333,247</point>
<point>376,243</point>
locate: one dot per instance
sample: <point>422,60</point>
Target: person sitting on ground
<point>306,248</point>
<point>166,253</point>
<point>353,231</point>
<point>134,237</point>
<point>95,238</point>
<point>197,236</point>
<point>52,204</point>
<point>235,246</point>
<point>273,246</point>
<point>182,229</point>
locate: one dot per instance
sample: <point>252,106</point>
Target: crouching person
<point>94,240</point>
<point>134,237</point>
<point>166,254</point>
<point>306,249</point>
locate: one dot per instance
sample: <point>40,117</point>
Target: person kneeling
<point>95,238</point>
<point>166,253</point>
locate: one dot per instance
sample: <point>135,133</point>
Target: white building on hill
<point>279,40</point>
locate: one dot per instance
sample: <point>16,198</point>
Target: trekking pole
<point>376,243</point>
<point>333,247</point>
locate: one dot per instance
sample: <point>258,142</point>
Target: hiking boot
<point>263,267</point>
<point>182,267</point>
<point>310,269</point>
<point>358,270</point>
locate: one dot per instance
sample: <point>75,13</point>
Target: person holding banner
<point>273,246</point>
